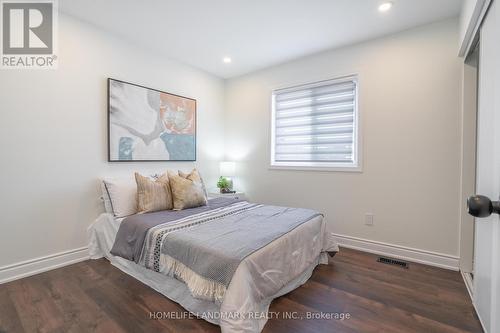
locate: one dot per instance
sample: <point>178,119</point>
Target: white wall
<point>54,138</point>
<point>410,107</point>
<point>53,134</point>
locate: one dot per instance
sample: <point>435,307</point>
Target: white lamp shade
<point>227,169</point>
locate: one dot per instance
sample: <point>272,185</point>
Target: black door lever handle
<point>481,206</point>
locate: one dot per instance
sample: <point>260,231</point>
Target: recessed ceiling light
<point>385,6</point>
<point>227,60</point>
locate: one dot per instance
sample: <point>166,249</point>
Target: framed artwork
<point>146,124</point>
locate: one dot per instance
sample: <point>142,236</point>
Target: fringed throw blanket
<point>204,249</point>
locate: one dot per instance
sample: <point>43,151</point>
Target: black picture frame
<point>109,80</point>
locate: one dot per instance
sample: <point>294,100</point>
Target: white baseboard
<point>400,252</point>
<point>42,264</point>
<point>470,289</point>
<point>468,283</point>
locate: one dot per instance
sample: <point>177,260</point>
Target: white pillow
<point>105,198</point>
<point>122,194</point>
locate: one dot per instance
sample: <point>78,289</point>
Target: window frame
<point>320,166</point>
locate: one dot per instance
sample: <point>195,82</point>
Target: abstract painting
<point>146,124</point>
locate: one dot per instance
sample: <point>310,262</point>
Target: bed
<point>266,264</point>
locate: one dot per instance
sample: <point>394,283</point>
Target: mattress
<point>284,264</point>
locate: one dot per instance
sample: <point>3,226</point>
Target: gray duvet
<point>133,229</point>
<point>204,246</point>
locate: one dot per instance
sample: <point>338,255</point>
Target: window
<point>315,126</point>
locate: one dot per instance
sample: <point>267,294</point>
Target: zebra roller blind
<point>316,125</point>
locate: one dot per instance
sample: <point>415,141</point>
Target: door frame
<point>471,28</point>
<point>469,131</point>
<point>468,161</point>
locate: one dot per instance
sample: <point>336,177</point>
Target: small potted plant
<point>224,185</point>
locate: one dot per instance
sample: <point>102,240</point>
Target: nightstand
<point>237,195</point>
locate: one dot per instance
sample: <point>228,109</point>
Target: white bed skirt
<point>293,255</point>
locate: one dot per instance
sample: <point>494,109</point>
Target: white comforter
<point>270,272</point>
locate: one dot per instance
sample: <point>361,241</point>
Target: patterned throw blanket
<point>204,249</point>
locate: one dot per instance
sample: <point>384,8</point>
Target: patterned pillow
<point>153,195</point>
<point>187,192</point>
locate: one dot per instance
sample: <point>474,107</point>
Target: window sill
<point>356,169</point>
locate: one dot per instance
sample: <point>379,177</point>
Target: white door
<point>487,232</point>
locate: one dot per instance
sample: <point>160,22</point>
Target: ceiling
<point>254,33</point>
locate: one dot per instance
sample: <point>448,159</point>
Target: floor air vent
<point>395,262</point>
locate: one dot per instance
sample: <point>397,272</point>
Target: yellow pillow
<point>195,176</point>
<point>152,195</point>
<point>187,192</point>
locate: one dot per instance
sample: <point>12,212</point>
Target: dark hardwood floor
<point>94,296</point>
